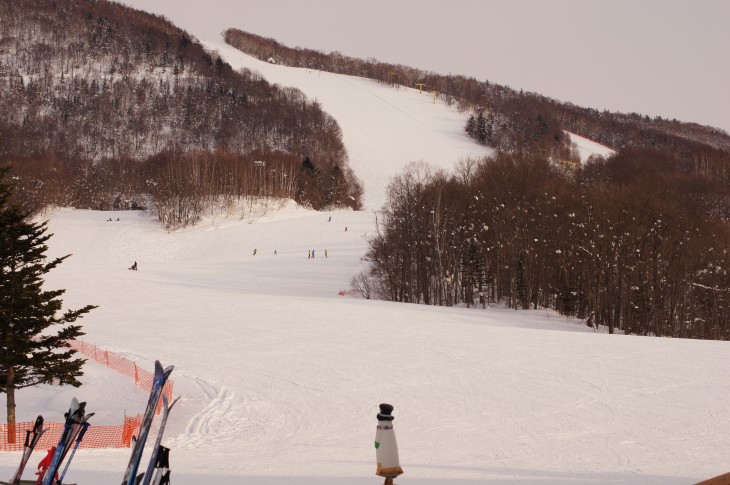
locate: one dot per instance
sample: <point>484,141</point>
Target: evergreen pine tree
<point>489,130</point>
<point>471,126</point>
<point>308,166</point>
<point>481,128</point>
<point>31,353</point>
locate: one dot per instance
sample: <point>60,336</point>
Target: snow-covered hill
<point>587,147</point>
<point>383,127</point>
<point>280,376</point>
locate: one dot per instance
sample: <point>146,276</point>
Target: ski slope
<point>383,127</point>
<point>281,377</point>
<point>588,148</point>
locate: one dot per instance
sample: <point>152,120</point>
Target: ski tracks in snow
<point>226,416</point>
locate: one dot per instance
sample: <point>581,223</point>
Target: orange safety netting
<point>117,436</point>
<point>95,437</point>
<point>142,377</point>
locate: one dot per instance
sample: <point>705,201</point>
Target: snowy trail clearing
<point>383,127</point>
<point>281,377</point>
<point>587,147</point>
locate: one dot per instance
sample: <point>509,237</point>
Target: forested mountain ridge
<point>638,242</point>
<point>517,120</point>
<point>119,104</point>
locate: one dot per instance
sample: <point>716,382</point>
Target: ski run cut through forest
<point>280,369</point>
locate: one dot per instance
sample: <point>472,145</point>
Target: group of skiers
<point>310,255</point>
<point>255,251</point>
<point>311,252</point>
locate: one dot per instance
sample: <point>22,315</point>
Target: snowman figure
<point>386,448</point>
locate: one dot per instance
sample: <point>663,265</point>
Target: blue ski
<point>153,459</point>
<point>158,383</point>
<point>74,417</point>
<point>84,426</point>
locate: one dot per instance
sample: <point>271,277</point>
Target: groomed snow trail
<point>383,127</point>
<point>281,377</point>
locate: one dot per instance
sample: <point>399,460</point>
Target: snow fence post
<point>386,448</point>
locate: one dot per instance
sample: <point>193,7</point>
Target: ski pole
<point>85,426</point>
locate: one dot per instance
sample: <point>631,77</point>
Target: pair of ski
<point>73,432</point>
<point>157,472</point>
<point>31,440</point>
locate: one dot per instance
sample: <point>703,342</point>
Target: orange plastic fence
<point>142,378</point>
<point>96,436</point>
<point>116,436</point>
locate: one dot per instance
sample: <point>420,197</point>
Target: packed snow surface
<point>281,377</point>
<point>587,147</point>
<point>383,127</point>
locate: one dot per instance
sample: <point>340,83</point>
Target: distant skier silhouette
<point>134,266</point>
<point>254,252</point>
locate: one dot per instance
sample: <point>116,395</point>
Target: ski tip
<point>168,370</point>
<point>173,402</point>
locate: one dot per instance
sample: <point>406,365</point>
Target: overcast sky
<point>659,57</point>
